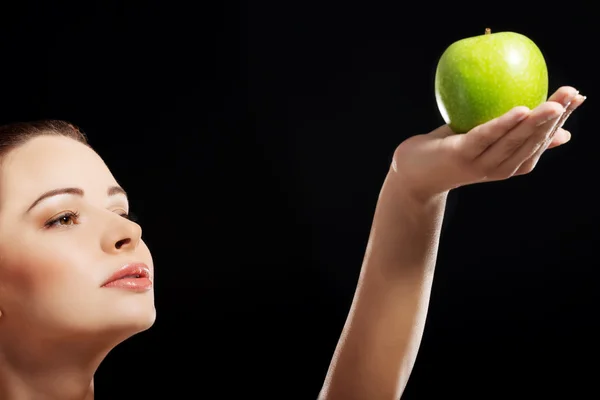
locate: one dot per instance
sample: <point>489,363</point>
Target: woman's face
<point>56,256</point>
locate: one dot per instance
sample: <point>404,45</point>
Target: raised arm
<point>380,340</point>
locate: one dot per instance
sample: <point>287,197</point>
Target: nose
<point>121,235</point>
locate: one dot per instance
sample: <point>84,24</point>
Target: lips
<point>135,277</point>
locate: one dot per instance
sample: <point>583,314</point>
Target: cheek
<point>43,271</point>
<point>145,252</point>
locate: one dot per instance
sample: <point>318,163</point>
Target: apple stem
<point>488,31</point>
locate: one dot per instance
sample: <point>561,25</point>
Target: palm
<point>507,146</point>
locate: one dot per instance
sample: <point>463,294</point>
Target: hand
<point>507,146</point>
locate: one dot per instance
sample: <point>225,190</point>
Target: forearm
<point>381,337</point>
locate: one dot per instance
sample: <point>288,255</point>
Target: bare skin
<point>51,346</point>
<point>57,322</point>
<point>380,340</point>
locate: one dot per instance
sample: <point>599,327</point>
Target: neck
<point>49,371</point>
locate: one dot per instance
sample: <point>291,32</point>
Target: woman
<point>76,278</point>
<point>75,275</point>
<point>379,343</point>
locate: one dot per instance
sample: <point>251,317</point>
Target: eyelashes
<point>70,218</point>
<point>130,216</point>
<point>65,219</point>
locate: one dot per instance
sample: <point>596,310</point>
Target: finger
<point>571,100</point>
<point>473,143</point>
<point>571,106</point>
<point>561,137</point>
<point>535,145</point>
<point>563,95</point>
<point>503,158</point>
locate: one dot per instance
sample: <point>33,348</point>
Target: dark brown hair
<point>15,134</point>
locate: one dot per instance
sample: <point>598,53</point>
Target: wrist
<point>411,193</point>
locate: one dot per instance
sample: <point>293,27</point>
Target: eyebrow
<point>112,191</point>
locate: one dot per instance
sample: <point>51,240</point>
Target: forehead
<point>50,162</point>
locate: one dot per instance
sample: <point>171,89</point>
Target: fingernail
<point>580,99</point>
<point>575,102</point>
<point>570,99</point>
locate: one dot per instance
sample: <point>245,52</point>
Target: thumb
<point>441,132</point>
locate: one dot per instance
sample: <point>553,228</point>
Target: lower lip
<point>132,284</point>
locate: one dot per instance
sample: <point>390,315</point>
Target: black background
<point>253,139</point>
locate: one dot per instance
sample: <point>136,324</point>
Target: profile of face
<point>58,252</point>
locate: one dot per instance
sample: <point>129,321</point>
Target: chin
<point>132,315</point>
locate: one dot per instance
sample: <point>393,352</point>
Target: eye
<point>128,215</point>
<point>64,219</point>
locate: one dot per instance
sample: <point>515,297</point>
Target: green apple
<point>482,77</point>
